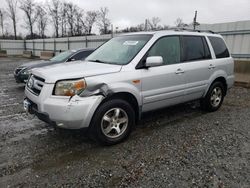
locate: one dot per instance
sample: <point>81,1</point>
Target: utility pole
<point>146,25</point>
<point>112,30</point>
<point>1,18</point>
<point>195,23</point>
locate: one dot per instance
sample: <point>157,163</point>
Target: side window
<point>168,48</point>
<point>219,47</point>
<point>81,55</point>
<point>195,48</point>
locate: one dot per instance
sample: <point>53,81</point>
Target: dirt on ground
<point>179,146</point>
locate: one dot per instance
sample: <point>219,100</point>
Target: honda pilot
<point>129,75</point>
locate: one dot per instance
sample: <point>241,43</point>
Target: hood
<point>34,64</point>
<point>74,70</point>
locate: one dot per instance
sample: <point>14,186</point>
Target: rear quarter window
<point>219,46</point>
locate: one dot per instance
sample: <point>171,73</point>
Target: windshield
<point>120,50</point>
<point>62,56</point>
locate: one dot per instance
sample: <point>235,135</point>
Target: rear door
<point>198,65</point>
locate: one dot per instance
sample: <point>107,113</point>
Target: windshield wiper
<point>100,61</point>
<point>97,61</point>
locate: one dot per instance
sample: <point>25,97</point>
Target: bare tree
<point>71,18</point>
<point>63,15</point>
<point>103,21</point>
<point>71,9</point>
<point>140,27</point>
<point>12,14</point>
<point>91,18</point>
<point>42,20</point>
<point>29,9</point>
<point>179,23</point>
<point>2,18</point>
<point>79,25</point>
<point>54,11</point>
<point>153,23</point>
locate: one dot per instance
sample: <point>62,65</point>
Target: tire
<point>214,97</point>
<point>112,122</point>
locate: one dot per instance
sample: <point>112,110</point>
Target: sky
<point>124,13</point>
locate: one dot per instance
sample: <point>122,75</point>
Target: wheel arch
<point>221,79</point>
<point>128,97</point>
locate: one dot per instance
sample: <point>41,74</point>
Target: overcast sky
<point>127,12</point>
<point>124,13</point>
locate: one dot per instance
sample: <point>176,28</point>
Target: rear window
<point>219,47</point>
<point>195,48</point>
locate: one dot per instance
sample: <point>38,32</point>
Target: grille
<point>18,70</point>
<point>35,84</point>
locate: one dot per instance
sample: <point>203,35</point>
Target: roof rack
<point>191,30</point>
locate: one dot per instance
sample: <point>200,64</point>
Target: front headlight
<point>26,71</point>
<point>69,87</point>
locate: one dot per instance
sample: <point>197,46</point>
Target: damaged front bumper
<point>64,112</point>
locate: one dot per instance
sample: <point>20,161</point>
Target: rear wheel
<point>112,122</point>
<point>214,97</point>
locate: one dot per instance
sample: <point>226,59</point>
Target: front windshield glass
<point>62,56</point>
<point>119,50</point>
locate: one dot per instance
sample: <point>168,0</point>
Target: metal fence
<point>13,47</point>
<point>16,47</point>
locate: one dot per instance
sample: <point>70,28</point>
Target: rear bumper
<point>230,81</point>
<point>64,112</point>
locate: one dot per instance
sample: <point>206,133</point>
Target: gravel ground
<point>176,147</point>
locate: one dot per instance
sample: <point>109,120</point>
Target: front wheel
<point>214,97</point>
<point>112,122</point>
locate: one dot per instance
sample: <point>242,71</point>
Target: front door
<point>163,85</point>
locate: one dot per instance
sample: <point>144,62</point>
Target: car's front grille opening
<point>18,70</point>
<point>38,78</point>
<point>35,84</point>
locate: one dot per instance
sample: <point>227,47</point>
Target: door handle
<point>179,71</point>
<point>211,66</point>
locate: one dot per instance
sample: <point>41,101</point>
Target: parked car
<point>129,75</point>
<point>22,72</point>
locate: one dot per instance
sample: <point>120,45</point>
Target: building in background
<point>236,35</point>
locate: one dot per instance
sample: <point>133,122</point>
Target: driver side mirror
<point>154,61</point>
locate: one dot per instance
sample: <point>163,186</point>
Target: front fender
<point>100,87</point>
<point>125,87</point>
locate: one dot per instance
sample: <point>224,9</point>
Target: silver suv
<point>129,75</point>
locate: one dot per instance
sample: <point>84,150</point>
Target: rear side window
<point>195,48</point>
<point>219,47</point>
<point>168,48</point>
